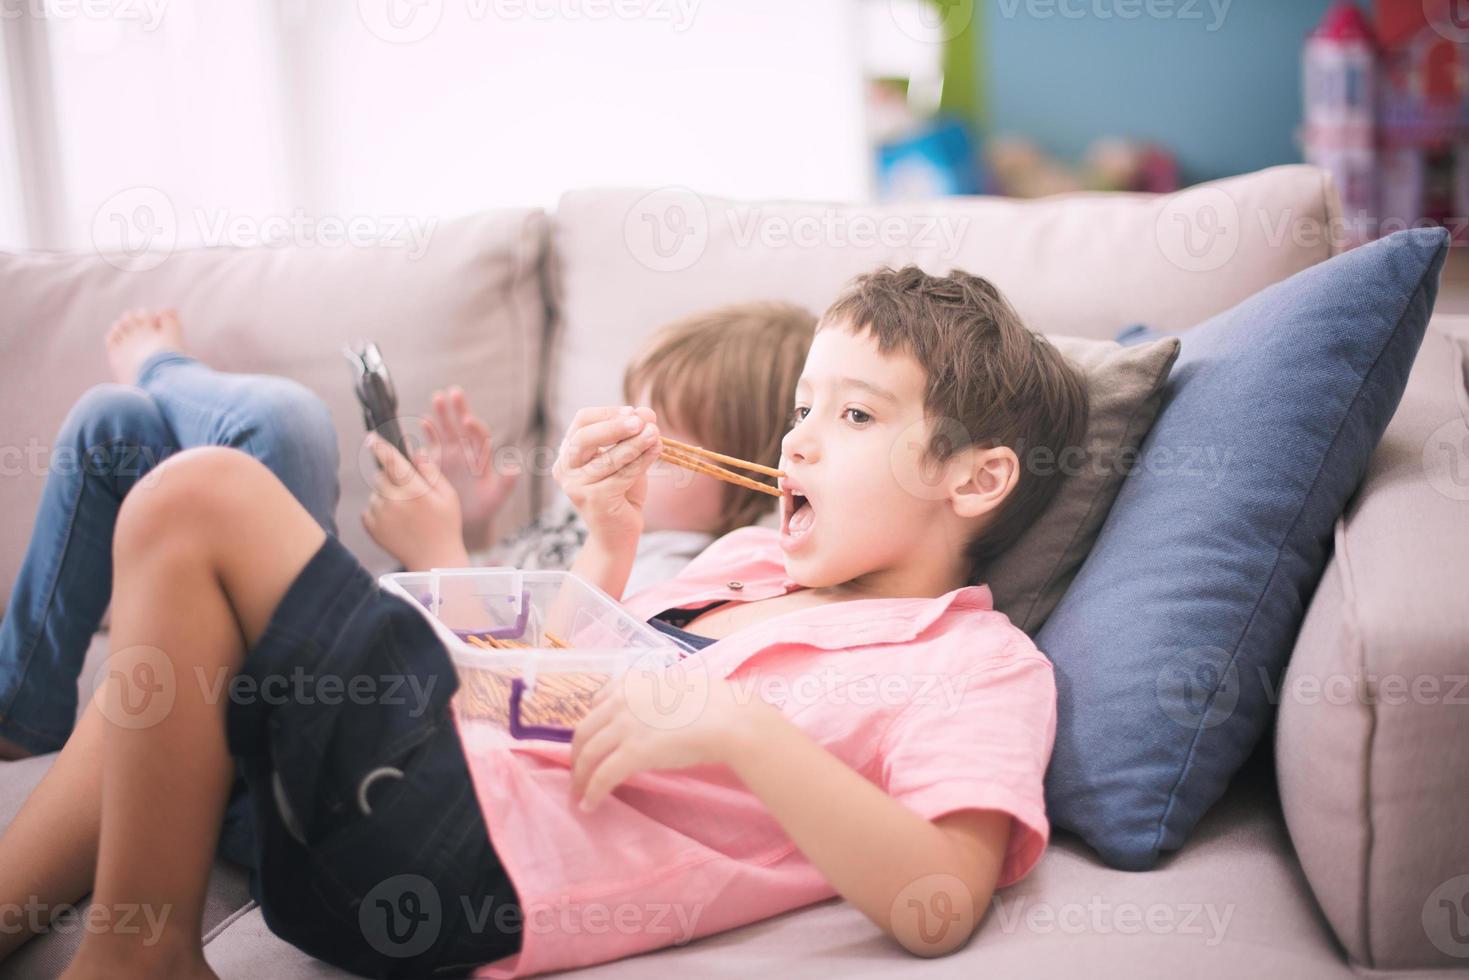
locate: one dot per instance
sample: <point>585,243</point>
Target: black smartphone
<point>374,386</point>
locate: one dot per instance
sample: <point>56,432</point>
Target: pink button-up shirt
<point>941,702</point>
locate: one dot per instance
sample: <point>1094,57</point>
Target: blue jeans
<point>113,437</point>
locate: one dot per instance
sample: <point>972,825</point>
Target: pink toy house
<point>1387,111</point>
<point>1340,78</point>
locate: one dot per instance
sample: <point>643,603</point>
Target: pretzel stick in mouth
<point>698,459</point>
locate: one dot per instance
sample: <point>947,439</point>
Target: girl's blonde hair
<point>727,377</point>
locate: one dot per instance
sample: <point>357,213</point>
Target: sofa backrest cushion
<point>469,310</point>
<point>1083,265</point>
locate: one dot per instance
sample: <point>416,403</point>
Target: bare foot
<point>138,335</point>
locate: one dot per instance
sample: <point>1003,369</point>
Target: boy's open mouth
<point>798,516</point>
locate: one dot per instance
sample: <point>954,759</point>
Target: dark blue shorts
<point>355,809</point>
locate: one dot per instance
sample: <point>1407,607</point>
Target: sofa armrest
<point>1372,744</point>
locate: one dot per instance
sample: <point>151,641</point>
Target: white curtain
<point>222,122</point>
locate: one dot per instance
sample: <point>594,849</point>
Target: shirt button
<point>736,584</point>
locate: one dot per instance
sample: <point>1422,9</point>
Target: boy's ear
<point>984,481</point>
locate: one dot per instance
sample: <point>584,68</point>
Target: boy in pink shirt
<point>852,718</point>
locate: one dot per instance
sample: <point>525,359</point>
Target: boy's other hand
<point>413,513</point>
<point>603,469</point>
<point>462,445</point>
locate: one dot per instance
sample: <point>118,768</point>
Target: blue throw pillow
<point>1170,645</point>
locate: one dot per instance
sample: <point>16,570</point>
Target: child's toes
<point>171,327</point>
<point>120,328</point>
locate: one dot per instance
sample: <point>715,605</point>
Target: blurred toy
<point>1022,169</point>
<point>1339,75</point>
<point>935,159</point>
<point>1387,111</point>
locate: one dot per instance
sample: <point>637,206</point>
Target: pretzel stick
<point>719,457</point>
<point>679,458</point>
<point>495,643</point>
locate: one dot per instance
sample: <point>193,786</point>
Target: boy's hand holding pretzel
<point>603,469</point>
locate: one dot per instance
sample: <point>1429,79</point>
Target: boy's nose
<point>797,447</point>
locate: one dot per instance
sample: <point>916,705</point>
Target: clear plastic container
<point>575,638</point>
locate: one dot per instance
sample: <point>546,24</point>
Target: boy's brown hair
<point>990,381</point>
<point>728,377</point>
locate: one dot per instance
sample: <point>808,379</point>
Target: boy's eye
<point>859,417</point>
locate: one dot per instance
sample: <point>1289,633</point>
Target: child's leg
<point>202,559</point>
<point>278,421</point>
<point>48,854</point>
<point>110,441</point>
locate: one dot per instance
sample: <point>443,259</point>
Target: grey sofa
<point>1339,850</point>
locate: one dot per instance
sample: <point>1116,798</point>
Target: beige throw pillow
<point>1125,385</point>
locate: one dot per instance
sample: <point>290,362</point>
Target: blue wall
<point>1224,101</point>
